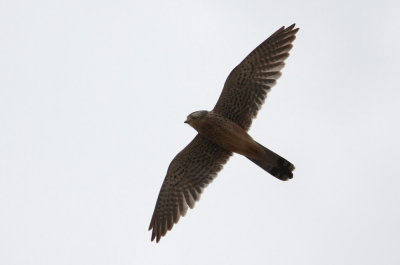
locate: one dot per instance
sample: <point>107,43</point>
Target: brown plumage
<point>223,131</point>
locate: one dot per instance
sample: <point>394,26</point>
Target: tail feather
<point>274,164</point>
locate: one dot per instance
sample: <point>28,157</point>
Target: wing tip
<point>161,225</point>
<point>291,30</point>
<point>292,27</point>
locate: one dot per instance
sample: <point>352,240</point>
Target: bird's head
<point>195,117</point>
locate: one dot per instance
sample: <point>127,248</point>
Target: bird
<point>222,131</point>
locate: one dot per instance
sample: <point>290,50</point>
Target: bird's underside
<point>200,161</point>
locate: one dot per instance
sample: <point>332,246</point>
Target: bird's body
<point>223,131</point>
<point>231,137</point>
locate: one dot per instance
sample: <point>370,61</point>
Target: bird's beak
<point>186,121</point>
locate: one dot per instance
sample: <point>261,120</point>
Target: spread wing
<point>248,84</point>
<point>188,174</point>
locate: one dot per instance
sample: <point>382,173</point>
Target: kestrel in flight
<point>223,131</point>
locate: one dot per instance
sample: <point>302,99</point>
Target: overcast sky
<point>93,95</point>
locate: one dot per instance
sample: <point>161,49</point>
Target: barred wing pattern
<point>248,84</point>
<point>188,174</point>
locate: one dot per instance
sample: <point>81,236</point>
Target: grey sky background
<point>93,96</point>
